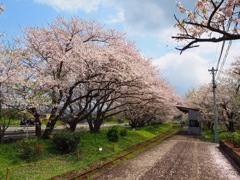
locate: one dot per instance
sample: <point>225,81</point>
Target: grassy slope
<point>52,163</point>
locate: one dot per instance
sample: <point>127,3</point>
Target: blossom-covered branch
<point>210,21</point>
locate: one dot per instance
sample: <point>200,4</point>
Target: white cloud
<point>190,69</point>
<point>73,5</point>
<point>137,16</point>
<point>167,33</point>
<point>145,17</point>
<point>118,18</point>
<point>184,71</point>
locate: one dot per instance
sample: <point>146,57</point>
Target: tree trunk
<point>3,128</point>
<point>90,124</point>
<point>97,125</point>
<point>1,135</point>
<point>49,128</point>
<point>38,123</point>
<point>133,124</point>
<point>38,128</point>
<point>73,125</point>
<point>94,126</point>
<point>141,123</point>
<point>230,126</point>
<point>211,127</point>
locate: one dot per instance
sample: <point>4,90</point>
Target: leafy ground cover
<point>93,148</point>
<point>208,135</point>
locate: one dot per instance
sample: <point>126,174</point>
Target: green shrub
<point>123,132</point>
<point>228,136</point>
<point>66,140</point>
<point>112,134</point>
<point>29,149</point>
<point>236,139</point>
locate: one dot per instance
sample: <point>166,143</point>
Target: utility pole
<point>214,103</point>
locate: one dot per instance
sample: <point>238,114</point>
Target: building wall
<point>196,116</point>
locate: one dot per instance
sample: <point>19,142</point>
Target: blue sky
<point>147,22</point>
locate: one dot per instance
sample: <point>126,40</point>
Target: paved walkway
<point>19,132</point>
<point>180,157</point>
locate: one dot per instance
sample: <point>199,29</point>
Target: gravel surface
<point>179,157</point>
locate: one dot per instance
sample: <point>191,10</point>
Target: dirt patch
<point>231,145</point>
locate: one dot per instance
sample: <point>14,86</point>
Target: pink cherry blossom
<point>207,17</point>
<point>180,7</point>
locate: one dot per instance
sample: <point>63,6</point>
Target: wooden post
<point>7,174</point>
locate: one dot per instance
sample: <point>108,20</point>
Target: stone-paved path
<point>180,157</point>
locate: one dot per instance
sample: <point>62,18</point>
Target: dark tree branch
<point>193,40</point>
<point>214,11</point>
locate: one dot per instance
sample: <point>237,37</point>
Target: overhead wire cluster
<point>221,61</point>
<point>227,50</point>
<point>218,67</point>
<point>220,70</point>
<point>216,72</point>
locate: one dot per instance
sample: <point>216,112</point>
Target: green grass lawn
<point>52,163</point>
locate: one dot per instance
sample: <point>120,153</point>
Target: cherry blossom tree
<point>122,79</point>
<point>129,85</point>
<point>201,98</point>
<point>209,21</point>
<point>1,9</point>
<point>228,99</point>
<point>228,107</point>
<point>131,88</point>
<point>72,69</point>
<point>9,74</point>
<point>154,103</point>
<point>8,69</point>
<point>3,125</point>
<point>13,71</point>
<point>73,61</point>
<point>228,90</point>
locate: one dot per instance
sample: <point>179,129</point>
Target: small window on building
<point>193,123</point>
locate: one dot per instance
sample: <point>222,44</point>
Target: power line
<point>228,48</point>
<point>224,60</point>
<point>214,78</point>
<point>223,44</point>
<point>220,56</point>
<point>215,55</point>
<point>214,71</point>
